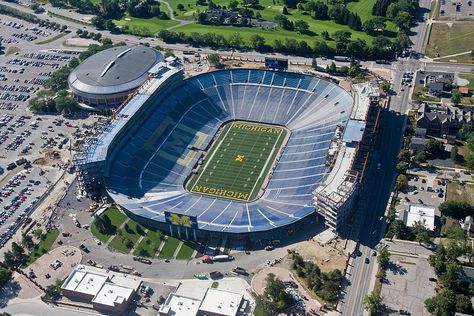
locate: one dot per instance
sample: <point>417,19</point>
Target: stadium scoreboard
<point>276,63</point>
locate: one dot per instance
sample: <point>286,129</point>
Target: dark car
<point>366,260</point>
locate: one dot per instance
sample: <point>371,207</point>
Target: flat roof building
<point>214,303</point>
<point>108,77</point>
<point>220,303</point>
<point>420,213</point>
<point>105,290</point>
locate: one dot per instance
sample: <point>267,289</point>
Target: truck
<point>219,258</point>
<point>222,258</point>
<point>342,58</point>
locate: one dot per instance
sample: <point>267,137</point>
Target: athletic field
<point>239,161</point>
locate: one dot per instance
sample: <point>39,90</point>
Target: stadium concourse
<point>146,172</point>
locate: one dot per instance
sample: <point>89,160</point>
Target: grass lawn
<point>144,27</point>
<point>186,250</point>
<point>116,219</point>
<point>460,59</point>
<point>469,77</point>
<point>43,246</point>
<point>269,11</point>
<point>169,248</point>
<point>149,245</point>
<point>458,192</point>
<point>127,237</point>
<point>445,40</point>
<point>420,94</point>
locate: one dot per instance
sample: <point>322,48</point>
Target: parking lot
<point>34,148</point>
<point>19,193</point>
<point>409,282</point>
<point>424,188</point>
<point>456,9</point>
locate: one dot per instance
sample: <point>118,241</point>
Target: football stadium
<point>240,153</point>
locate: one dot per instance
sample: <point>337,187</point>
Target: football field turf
<point>239,161</point>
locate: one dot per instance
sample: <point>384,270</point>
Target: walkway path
<point>452,55</point>
<point>172,17</point>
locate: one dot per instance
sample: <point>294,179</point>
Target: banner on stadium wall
<point>181,220</point>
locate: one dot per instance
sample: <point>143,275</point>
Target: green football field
<point>239,161</point>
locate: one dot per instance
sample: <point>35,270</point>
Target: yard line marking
<point>265,166</point>
<point>212,155</point>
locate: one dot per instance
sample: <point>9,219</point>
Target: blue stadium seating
<point>153,165</point>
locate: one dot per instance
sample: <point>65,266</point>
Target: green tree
<point>385,86</point>
<point>58,80</point>
<point>420,157</point>
<point>383,258</point>
<point>5,275</point>
<point>372,302</point>
<point>402,167</point>
<point>214,60</point>
<point>27,241</point>
<point>456,209</point>
<point>422,233</point>
<point>301,26</point>
<point>443,304</point>
<point>456,97</point>
<point>257,42</point>
<point>401,183</point>
<point>53,291</point>
<point>404,155</point>
<point>435,147</point>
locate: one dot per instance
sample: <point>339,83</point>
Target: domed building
<point>108,77</point>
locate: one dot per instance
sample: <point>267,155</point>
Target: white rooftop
<point>221,302</point>
<point>420,213</point>
<point>362,95</point>
<point>84,282</point>
<point>106,287</point>
<point>111,294</point>
<point>178,305</point>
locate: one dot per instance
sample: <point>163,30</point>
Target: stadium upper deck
<point>147,175</point>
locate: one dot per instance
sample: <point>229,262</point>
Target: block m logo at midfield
<point>181,220</point>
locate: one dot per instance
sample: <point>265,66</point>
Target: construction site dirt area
<point>327,257</point>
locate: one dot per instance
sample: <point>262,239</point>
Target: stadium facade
<point>159,138</point>
<point>108,77</point>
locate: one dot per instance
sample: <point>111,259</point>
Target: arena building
<point>108,77</point>
<point>241,153</point>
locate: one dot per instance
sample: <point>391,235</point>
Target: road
<point>369,224</point>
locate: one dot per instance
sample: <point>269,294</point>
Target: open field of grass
<point>148,246</point>
<point>44,245</point>
<point>169,248</point>
<point>239,161</point>
<point>460,59</point>
<point>116,219</point>
<point>144,26</point>
<point>447,40</point>
<point>458,192</point>
<point>186,250</point>
<point>420,93</point>
<point>269,11</point>
<point>127,237</point>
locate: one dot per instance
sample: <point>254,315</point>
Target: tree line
<point>381,47</point>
